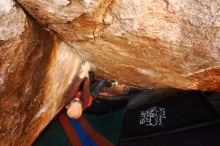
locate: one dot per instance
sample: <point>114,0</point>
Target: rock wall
<point>35,70</point>
<point>144,43</point>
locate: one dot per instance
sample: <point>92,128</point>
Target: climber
<point>76,101</point>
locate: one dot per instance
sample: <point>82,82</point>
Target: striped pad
<point>80,133</point>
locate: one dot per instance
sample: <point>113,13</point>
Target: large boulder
<point>35,70</point>
<point>144,43</point>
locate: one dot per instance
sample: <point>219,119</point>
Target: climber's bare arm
<point>74,87</point>
<point>86,92</point>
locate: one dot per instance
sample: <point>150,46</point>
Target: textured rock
<point>35,70</point>
<point>145,43</point>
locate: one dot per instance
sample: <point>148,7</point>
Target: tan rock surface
<point>145,43</point>
<point>35,71</point>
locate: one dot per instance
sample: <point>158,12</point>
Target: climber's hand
<point>84,70</point>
